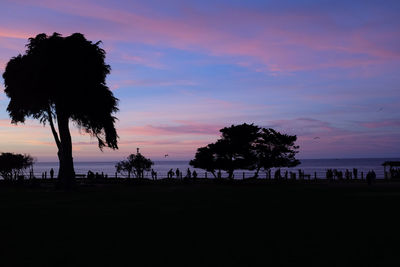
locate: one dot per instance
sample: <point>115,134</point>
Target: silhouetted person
<point>51,173</point>
<point>170,173</point>
<point>373,174</point>
<point>90,175</point>
<point>153,174</point>
<point>219,174</point>
<point>355,173</point>
<point>188,173</point>
<point>277,174</point>
<point>339,175</point>
<point>177,172</point>
<point>194,174</point>
<point>347,174</point>
<point>369,178</point>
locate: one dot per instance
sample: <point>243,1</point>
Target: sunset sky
<point>184,69</point>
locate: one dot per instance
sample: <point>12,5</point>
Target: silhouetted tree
<point>58,80</point>
<point>247,147</point>
<point>135,164</point>
<point>235,148</point>
<point>275,150</point>
<point>233,151</point>
<point>11,165</point>
<point>205,159</point>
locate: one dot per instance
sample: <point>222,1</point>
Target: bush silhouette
<point>11,165</point>
<point>135,164</point>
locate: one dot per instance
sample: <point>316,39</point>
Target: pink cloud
<point>143,60</point>
<point>166,142</point>
<point>381,124</point>
<point>3,64</point>
<point>303,126</point>
<point>275,45</point>
<point>151,82</point>
<point>342,144</point>
<point>7,123</point>
<point>183,128</point>
<point>14,33</point>
<point>317,138</point>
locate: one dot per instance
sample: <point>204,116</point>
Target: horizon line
<point>190,159</point>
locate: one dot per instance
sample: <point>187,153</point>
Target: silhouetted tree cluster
<point>58,80</point>
<point>134,164</point>
<point>12,165</point>
<point>247,147</point>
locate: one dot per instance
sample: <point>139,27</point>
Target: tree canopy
<point>247,147</point>
<point>274,150</point>
<point>205,159</point>
<point>11,165</point>
<point>61,79</point>
<point>134,164</point>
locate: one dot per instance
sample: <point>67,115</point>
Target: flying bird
<point>380,109</point>
<point>166,155</point>
<point>316,137</point>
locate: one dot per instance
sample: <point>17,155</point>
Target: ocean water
<point>309,166</point>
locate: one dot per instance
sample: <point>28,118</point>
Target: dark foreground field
<point>201,225</point>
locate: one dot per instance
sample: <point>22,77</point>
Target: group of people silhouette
<point>179,174</point>
<point>51,172</point>
<point>153,174</point>
<point>371,177</point>
<point>348,175</point>
<point>92,175</point>
<point>331,174</point>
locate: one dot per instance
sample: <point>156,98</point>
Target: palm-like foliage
<point>61,79</point>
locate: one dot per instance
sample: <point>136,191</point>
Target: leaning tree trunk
<point>66,173</point>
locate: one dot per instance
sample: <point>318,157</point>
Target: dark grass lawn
<point>202,225</point>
